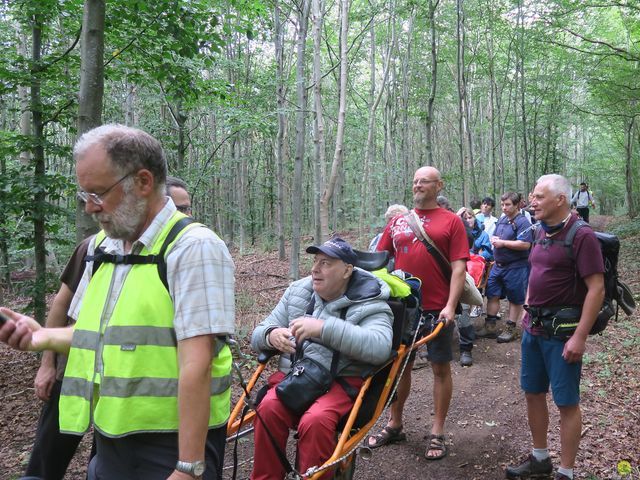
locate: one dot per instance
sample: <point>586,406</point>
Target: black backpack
<point>610,248</point>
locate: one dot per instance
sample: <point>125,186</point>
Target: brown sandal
<point>387,436</point>
<point>436,444</point>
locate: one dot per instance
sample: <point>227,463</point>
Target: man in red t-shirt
<point>439,299</point>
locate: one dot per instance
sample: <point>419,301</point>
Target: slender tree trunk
<point>282,129</point>
<point>434,81</point>
<point>23,96</point>
<point>460,83</point>
<point>39,200</point>
<point>338,156</point>
<point>301,96</point>
<point>317,16</point>
<point>628,169</point>
<point>374,102</point>
<point>91,90</point>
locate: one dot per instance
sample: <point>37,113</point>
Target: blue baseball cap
<point>336,248</point>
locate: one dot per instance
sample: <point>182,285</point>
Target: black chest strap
<point>100,256</point>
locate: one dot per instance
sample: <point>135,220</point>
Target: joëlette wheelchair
<point>374,396</point>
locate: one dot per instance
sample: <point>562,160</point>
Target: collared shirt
<point>200,274</point>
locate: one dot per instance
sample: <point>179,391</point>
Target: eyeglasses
<point>423,181</point>
<point>183,208</point>
<point>98,198</point>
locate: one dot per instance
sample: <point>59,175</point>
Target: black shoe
<point>466,360</point>
<point>530,468</point>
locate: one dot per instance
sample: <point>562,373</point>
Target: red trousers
<point>316,429</point>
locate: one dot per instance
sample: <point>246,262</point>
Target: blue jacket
<point>481,242</point>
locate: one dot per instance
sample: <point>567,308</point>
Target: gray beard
<point>126,219</point>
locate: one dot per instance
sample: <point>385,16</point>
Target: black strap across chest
<point>100,256</point>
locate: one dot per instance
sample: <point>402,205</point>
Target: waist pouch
<point>557,322</point>
<point>306,382</point>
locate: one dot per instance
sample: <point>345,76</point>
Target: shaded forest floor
<point>486,427</point>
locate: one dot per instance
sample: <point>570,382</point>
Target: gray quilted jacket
<point>363,338</point>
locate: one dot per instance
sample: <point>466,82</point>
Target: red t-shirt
<point>447,232</point>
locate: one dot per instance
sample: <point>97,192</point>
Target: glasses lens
<point>85,197</point>
<point>183,208</point>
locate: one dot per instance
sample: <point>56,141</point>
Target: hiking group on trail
<point>147,304</point>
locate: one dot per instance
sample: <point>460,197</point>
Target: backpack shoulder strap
<point>100,256</point>
<point>178,227</point>
<point>571,235</point>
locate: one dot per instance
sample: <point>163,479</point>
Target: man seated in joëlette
<point>338,308</point>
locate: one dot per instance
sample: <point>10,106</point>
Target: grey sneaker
<point>509,333</point>
<point>488,331</point>
<point>466,360</point>
<point>530,468</point>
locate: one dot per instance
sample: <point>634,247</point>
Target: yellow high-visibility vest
<point>123,374</point>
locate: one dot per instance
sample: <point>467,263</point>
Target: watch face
<point>198,468</point>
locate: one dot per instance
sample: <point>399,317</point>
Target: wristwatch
<point>195,469</point>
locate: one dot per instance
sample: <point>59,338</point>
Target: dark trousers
<point>151,456</point>
<point>466,330</point>
<point>584,213</point>
<point>52,450</point>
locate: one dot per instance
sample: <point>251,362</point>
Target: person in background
<point>485,217</point>
<point>481,244</point>
<point>475,205</point>
<point>583,200</point>
<point>178,191</point>
<point>508,277</point>
<point>557,282</point>
<point>443,202</point>
<point>393,211</point>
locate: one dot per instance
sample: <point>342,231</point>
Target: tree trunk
<point>91,90</point>
<point>281,148</point>
<point>374,102</point>
<point>434,77</point>
<point>628,169</point>
<point>459,81</point>
<point>39,197</point>
<point>336,166</point>
<point>301,97</point>
<point>318,124</point>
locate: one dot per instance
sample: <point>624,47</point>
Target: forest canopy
<point>290,117</point>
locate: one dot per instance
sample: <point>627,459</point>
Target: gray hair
<point>393,211</point>
<point>558,185</point>
<point>130,150</point>
<point>175,182</point>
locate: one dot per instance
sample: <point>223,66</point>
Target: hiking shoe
<point>466,360</point>
<point>488,331</point>
<point>509,333</point>
<point>560,476</point>
<point>530,468</point>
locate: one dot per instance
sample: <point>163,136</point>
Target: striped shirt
<point>200,274</point>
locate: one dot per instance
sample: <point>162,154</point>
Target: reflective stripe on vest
<point>134,386</point>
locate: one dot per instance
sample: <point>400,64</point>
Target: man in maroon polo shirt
<point>557,282</point>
